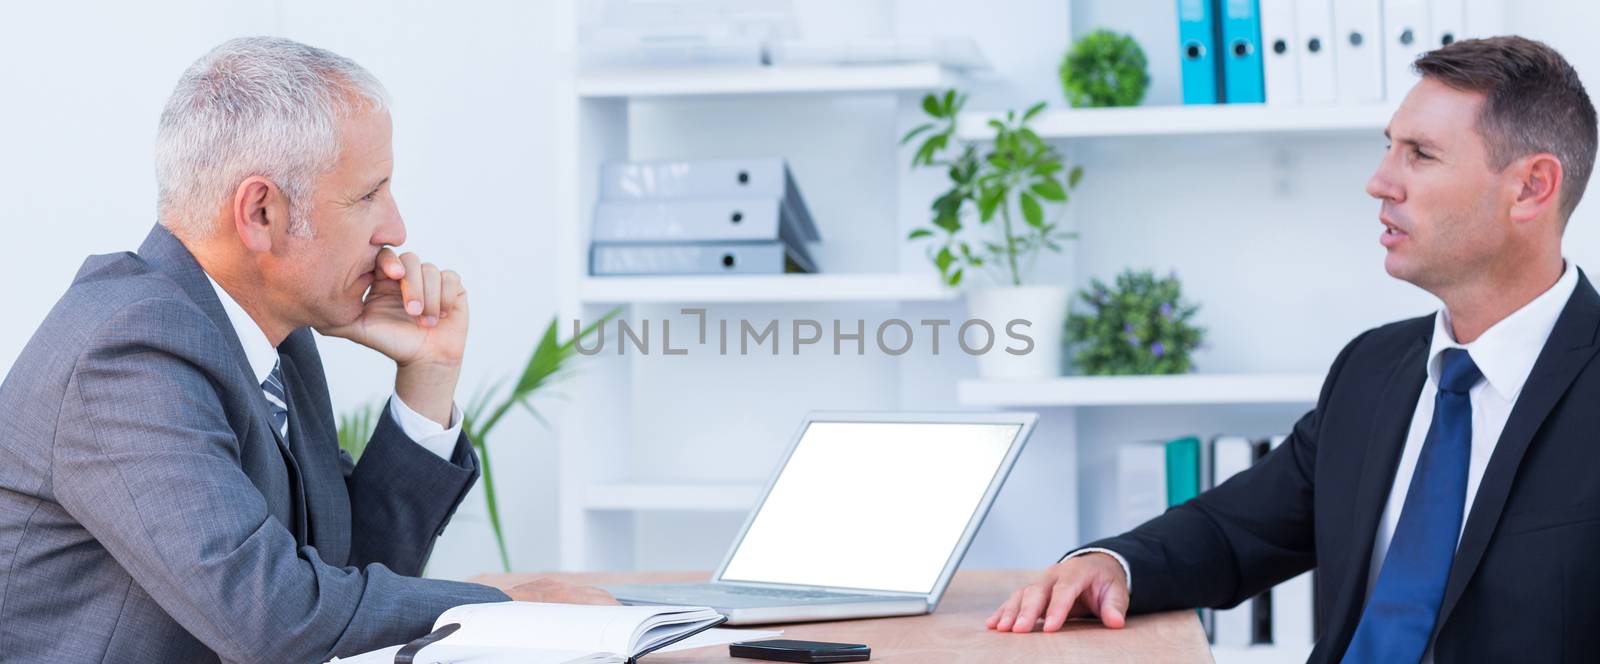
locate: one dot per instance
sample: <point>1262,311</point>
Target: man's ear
<point>1540,176</point>
<point>260,213</point>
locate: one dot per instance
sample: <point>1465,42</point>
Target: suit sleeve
<point>400,486</point>
<point>1245,535</point>
<point>146,461</point>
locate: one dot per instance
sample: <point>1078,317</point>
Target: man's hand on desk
<point>1090,584</point>
<point>550,590</point>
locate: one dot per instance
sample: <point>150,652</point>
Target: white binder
<point>702,258</point>
<point>1280,52</point>
<point>1448,22</point>
<point>688,220</point>
<point>759,219</point>
<point>1231,455</point>
<point>707,178</point>
<point>1406,36</point>
<point>1293,604</point>
<point>1358,51</point>
<point>1318,74</point>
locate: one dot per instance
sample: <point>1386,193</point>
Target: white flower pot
<point>1045,309</point>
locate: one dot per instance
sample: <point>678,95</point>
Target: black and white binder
<point>1358,51</point>
<point>696,258</point>
<point>698,220</point>
<point>1280,54</point>
<point>1319,83</point>
<point>767,177</point>
<point>1406,36</point>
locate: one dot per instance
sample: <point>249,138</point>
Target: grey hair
<point>252,106</point>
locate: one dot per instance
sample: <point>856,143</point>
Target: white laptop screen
<point>871,505</point>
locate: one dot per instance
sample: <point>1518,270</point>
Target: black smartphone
<point>787,650</point>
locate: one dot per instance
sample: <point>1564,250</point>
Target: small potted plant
<point>1140,326</point>
<point>1105,69</point>
<point>1002,210</point>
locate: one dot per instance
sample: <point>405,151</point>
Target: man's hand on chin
<point>416,315</point>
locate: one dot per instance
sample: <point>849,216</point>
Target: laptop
<point>868,515</point>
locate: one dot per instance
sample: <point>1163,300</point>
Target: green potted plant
<point>1142,325</point>
<point>1001,211</point>
<point>1105,69</point>
<point>547,364</point>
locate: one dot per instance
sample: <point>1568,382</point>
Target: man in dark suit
<point>171,486</point>
<point>1446,485</point>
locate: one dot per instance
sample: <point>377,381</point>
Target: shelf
<point>1191,389</point>
<point>764,288</point>
<point>1197,120</point>
<point>707,497</point>
<point>1262,654</point>
<point>758,80</point>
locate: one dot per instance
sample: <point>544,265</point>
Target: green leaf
<point>919,233</point>
<point>952,103</point>
<point>919,129</point>
<point>1050,190</point>
<point>1074,177</point>
<point>930,105</point>
<point>955,279</point>
<point>1032,138</point>
<point>944,259</point>
<point>1031,210</point>
<point>934,144</point>
<point>990,200</point>
<point>1032,111</point>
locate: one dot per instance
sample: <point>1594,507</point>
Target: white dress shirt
<point>261,355</point>
<point>1505,353</point>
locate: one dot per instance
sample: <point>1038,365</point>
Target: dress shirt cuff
<point>436,439</point>
<point>1127,572</point>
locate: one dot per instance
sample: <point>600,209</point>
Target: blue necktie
<point>1404,604</point>
<point>278,403</point>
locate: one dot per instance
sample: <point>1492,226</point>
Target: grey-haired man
<point>171,489</point>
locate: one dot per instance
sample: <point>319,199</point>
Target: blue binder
<point>1198,32</point>
<point>1242,79</point>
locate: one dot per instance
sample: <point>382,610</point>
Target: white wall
<point>83,84</point>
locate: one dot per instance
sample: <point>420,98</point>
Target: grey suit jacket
<point>150,513</point>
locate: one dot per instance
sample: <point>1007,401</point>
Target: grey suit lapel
<point>163,250</point>
<point>168,254</point>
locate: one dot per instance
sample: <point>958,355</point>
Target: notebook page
<point>578,627</point>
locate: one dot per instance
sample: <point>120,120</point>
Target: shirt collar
<point>1505,353</point>
<point>258,350</point>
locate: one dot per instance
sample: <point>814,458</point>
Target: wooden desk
<point>954,633</point>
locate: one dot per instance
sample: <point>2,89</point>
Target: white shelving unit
<point>1263,654</point>
<point>1191,389</point>
<point>1194,121</point>
<point>755,80</point>
<point>765,288</point>
<point>602,496</point>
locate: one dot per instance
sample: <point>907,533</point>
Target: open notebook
<point>537,633</point>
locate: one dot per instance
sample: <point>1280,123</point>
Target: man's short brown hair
<point>1535,103</point>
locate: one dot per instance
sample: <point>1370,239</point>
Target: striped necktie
<point>277,399</point>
